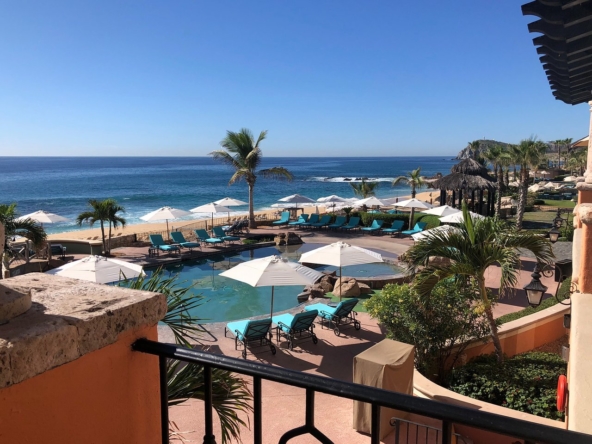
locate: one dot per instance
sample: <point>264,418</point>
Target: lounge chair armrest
<point>281,324</point>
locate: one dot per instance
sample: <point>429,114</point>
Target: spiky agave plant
<point>231,394</point>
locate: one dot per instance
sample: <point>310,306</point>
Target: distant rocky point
<point>467,153</point>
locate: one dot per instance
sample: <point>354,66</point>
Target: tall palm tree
<point>99,213</point>
<point>415,181</point>
<point>27,227</point>
<point>242,153</point>
<point>471,249</point>
<point>364,189</point>
<point>528,154</point>
<point>114,219</point>
<point>564,143</point>
<point>496,155</point>
<point>475,146</point>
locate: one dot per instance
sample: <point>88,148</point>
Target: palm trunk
<point>522,192</point>
<point>103,237</point>
<point>507,179</point>
<point>411,218</point>
<point>498,197</point>
<point>251,210</point>
<point>491,320</point>
<point>109,243</point>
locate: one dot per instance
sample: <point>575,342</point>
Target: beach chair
<point>341,315</point>
<point>229,229</point>
<point>248,333</point>
<point>284,220</point>
<point>220,234</point>
<point>291,325</point>
<point>325,220</point>
<point>419,226</point>
<point>303,218</point>
<point>394,212</point>
<point>374,228</point>
<point>353,223</point>
<point>339,222</point>
<point>313,219</point>
<point>203,236</point>
<point>179,239</point>
<point>160,245</point>
<point>395,228</point>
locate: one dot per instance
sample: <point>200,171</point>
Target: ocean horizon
<point>63,185</point>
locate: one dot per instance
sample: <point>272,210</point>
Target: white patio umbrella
<point>550,186</point>
<point>570,179</point>
<point>296,199</point>
<point>98,269</point>
<point>534,188</point>
<point>443,210</point>
<point>230,202</point>
<point>332,200</point>
<point>413,204</point>
<point>371,201</point>
<point>340,254</point>
<point>165,213</point>
<point>427,233</point>
<point>458,218</point>
<point>212,208</point>
<point>272,271</point>
<point>43,217</point>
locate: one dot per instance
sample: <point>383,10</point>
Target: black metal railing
<point>448,414</point>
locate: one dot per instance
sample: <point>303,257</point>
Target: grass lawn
<point>540,216</point>
<point>360,307</point>
<point>560,203</point>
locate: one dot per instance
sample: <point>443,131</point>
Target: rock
<point>315,291</point>
<point>289,238</point>
<point>303,297</point>
<point>365,289</point>
<point>330,273</point>
<point>326,284</point>
<point>346,287</point>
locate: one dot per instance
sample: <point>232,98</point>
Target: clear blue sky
<point>326,78</point>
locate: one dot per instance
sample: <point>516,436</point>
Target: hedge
<point>388,219</point>
<point>526,383</point>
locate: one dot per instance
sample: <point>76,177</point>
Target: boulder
<point>315,291</point>
<point>289,238</point>
<point>326,284</point>
<point>346,287</point>
<point>330,273</point>
<point>364,289</point>
<point>303,297</point>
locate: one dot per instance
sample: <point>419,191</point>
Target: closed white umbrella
<point>437,230</point>
<point>458,218</point>
<point>211,208</point>
<point>272,271</point>
<point>165,213</point>
<point>340,254</point>
<point>43,217</point>
<point>443,210</point>
<point>98,269</point>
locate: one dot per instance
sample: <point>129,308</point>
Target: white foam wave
<point>350,179</point>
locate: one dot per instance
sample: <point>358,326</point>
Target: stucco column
<point>588,173</point>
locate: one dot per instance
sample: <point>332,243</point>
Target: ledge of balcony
<point>68,319</point>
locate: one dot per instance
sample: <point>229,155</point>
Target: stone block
<point>347,287</point>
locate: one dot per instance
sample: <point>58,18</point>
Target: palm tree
<point>415,180</point>
<point>364,189</point>
<point>99,213</point>
<point>114,219</point>
<point>474,147</point>
<point>528,154</point>
<point>244,155</point>
<point>470,250</point>
<point>496,155</point>
<point>27,227</point>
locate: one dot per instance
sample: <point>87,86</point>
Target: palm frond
<point>277,173</point>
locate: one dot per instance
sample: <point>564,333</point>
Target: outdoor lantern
<point>535,289</point>
<point>554,235</point>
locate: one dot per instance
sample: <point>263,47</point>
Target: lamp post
<point>535,288</point>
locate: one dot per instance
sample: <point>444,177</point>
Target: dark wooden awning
<point>565,46</point>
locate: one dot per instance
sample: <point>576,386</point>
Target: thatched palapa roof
<point>454,181</point>
<point>470,167</point>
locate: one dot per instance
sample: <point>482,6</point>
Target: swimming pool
<point>225,299</point>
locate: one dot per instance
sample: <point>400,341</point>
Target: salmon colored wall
<point>108,396</point>
<point>523,341</point>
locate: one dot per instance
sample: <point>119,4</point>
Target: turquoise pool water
<point>227,300</point>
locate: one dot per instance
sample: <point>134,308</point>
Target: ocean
<point>63,185</point>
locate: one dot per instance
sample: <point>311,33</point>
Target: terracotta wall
<point>110,395</point>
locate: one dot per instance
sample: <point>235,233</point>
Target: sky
<point>324,77</point>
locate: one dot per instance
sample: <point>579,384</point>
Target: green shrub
<point>538,202</point>
<point>562,294</point>
<point>250,241</point>
<point>430,219</point>
<point>435,325</point>
<point>527,383</point>
<point>388,219</point>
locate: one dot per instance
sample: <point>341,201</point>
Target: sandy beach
<point>95,232</point>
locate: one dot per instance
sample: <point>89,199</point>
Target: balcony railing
<point>378,398</point>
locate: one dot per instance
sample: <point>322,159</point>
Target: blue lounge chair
<point>160,245</point>
<point>394,212</point>
<point>247,332</point>
<point>303,218</point>
<point>289,325</point>
<point>284,220</point>
<point>179,239</point>
<point>313,219</point>
<point>339,222</point>
<point>375,227</point>
<point>203,236</point>
<point>325,220</point>
<point>220,234</point>
<point>395,228</point>
<point>353,223</point>
<point>342,314</point>
<point>419,226</point>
